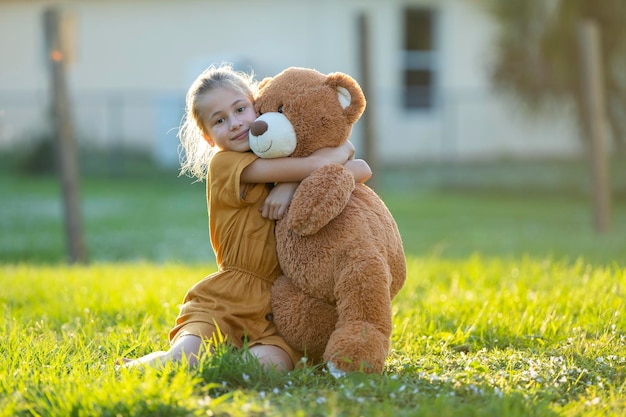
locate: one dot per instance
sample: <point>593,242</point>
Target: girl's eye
<point>280,108</point>
<point>219,121</point>
<point>241,109</point>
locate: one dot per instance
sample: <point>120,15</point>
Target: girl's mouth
<point>242,135</point>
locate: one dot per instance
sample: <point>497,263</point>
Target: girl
<point>233,304</point>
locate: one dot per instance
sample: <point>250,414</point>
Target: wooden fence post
<point>369,141</point>
<point>57,55</point>
<point>593,97</point>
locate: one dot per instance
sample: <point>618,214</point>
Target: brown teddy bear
<point>338,245</point>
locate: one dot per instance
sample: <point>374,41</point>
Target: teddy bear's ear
<point>349,94</point>
<point>264,82</point>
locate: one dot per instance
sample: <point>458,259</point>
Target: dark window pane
<point>418,30</point>
<point>418,88</point>
<point>419,53</point>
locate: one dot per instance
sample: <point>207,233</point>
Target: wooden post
<point>593,97</point>
<point>369,141</point>
<point>57,55</point>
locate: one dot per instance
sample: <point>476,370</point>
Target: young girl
<point>233,304</point>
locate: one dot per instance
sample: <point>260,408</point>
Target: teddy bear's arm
<point>320,198</point>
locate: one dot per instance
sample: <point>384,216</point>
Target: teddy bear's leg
<point>305,322</point>
<point>362,337</point>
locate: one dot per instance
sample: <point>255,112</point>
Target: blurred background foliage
<point>537,55</point>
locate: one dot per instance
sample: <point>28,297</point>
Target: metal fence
<point>129,121</point>
<point>464,125</point>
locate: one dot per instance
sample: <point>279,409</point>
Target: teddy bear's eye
<point>280,108</point>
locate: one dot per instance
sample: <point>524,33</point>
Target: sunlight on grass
<point>479,336</point>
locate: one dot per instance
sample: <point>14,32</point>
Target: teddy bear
<point>338,245</point>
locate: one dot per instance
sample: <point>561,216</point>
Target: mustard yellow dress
<point>236,298</point>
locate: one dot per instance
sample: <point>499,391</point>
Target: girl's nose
<point>235,123</point>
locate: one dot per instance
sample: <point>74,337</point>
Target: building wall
<point>133,61</point>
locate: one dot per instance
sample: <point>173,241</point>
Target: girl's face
<point>226,115</point>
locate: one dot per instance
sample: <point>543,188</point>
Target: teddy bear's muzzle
<point>272,136</point>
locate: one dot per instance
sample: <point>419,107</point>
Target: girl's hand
<point>359,169</point>
<point>278,200</point>
<point>337,155</point>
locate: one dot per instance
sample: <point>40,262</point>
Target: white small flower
<point>595,401</point>
<point>205,401</point>
<point>334,371</point>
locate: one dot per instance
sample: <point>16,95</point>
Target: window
<point>419,58</point>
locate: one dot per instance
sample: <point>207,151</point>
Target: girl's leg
<point>272,357</point>
<point>187,346</point>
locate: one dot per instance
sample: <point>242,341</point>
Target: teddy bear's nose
<point>258,128</point>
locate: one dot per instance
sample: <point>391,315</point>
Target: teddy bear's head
<point>302,110</point>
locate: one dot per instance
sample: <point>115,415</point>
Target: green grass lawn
<point>472,337</point>
<point>513,306</point>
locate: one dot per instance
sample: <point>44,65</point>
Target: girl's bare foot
<point>154,360</point>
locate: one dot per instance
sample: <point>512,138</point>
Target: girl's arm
<point>294,169</point>
<point>281,195</point>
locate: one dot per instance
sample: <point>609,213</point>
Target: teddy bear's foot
<point>357,347</point>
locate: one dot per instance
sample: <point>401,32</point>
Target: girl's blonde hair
<point>194,151</point>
